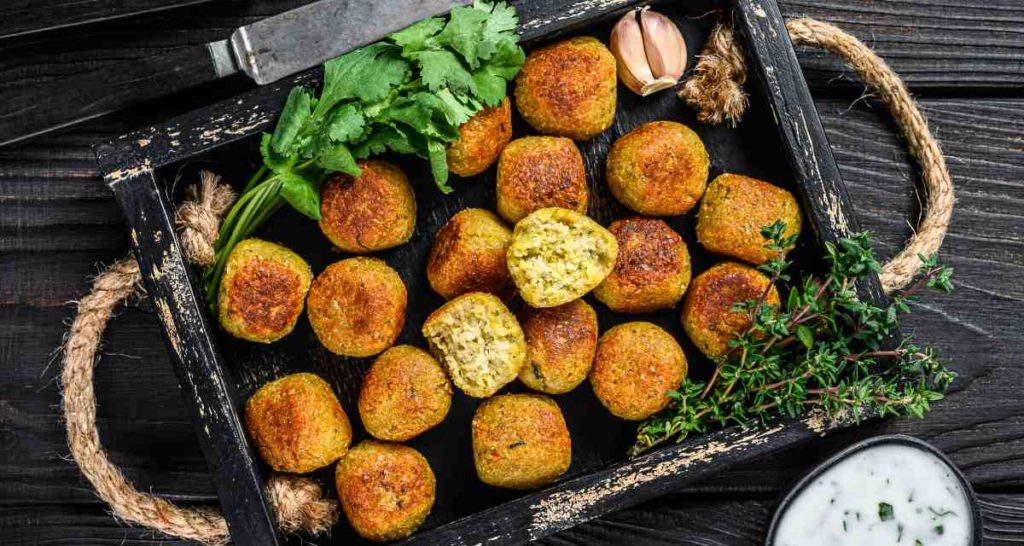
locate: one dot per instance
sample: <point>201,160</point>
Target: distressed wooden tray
<point>781,139</point>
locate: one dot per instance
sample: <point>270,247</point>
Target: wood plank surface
<point>58,221</point>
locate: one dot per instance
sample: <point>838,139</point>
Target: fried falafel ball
<point>708,317</point>
<point>404,394</point>
<point>734,210</point>
<point>536,172</point>
<point>357,307</point>
<point>479,342</point>
<point>373,211</point>
<point>636,366</point>
<point>469,255</point>
<point>568,88</point>
<point>658,169</point>
<point>520,441</point>
<point>386,490</point>
<point>262,291</point>
<point>297,423</point>
<point>558,255</point>
<point>560,343</point>
<point>652,270</point>
<point>481,139</point>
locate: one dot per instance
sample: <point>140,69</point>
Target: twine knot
<point>198,218</point>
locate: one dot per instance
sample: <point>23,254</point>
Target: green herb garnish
<point>821,349</point>
<point>885,511</point>
<point>408,94</point>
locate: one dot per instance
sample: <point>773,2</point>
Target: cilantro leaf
<point>293,118</point>
<point>440,69</point>
<point>368,74</point>
<point>346,123</point>
<point>337,158</point>
<point>439,164</point>
<point>457,111</point>
<point>464,33</point>
<point>418,36</point>
<point>301,193</point>
<point>273,161</point>
<point>885,512</point>
<point>425,113</point>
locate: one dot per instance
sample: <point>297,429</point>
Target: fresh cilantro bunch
<point>408,94</point>
<point>824,348</point>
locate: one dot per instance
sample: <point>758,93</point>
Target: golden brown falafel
<point>297,423</point>
<point>262,291</point>
<point>734,210</point>
<point>386,490</point>
<point>481,139</point>
<point>357,306</point>
<point>636,366</point>
<point>558,255</point>
<point>536,172</point>
<point>373,211</point>
<point>651,271</point>
<point>520,441</point>
<point>479,342</point>
<point>568,88</point>
<point>404,394</point>
<point>658,169</point>
<point>708,317</point>
<point>560,343</point>
<point>469,255</point>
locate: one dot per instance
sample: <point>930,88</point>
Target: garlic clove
<point>650,51</point>
<point>663,44</point>
<point>627,44</point>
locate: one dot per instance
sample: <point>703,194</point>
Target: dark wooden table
<point>964,59</point>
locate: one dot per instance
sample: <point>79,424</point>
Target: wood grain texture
<point>19,17</point>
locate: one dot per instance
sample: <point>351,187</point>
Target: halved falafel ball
<point>469,255</point>
<point>481,139</point>
<point>651,271</point>
<point>636,366</point>
<point>357,307</point>
<point>536,172</point>
<point>262,291</point>
<point>734,210</point>
<point>658,169</point>
<point>479,342</point>
<point>568,88</point>
<point>558,255</point>
<point>708,317</point>
<point>386,490</point>
<point>297,423</point>
<point>373,211</point>
<point>404,394</point>
<point>520,441</point>
<point>560,344</point>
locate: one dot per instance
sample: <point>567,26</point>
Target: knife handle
<point>34,110</point>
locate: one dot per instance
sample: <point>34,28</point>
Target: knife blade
<point>266,51</point>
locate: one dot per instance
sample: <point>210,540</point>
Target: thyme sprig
<point>823,348</point>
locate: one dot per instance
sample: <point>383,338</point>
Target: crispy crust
<point>558,255</point>
<point>637,363</point>
<point>560,343</point>
<point>481,139</point>
<point>262,291</point>
<point>386,490</point>
<point>357,306</point>
<point>375,211</point>
<point>658,169</point>
<point>404,394</point>
<point>735,209</point>
<point>568,88</point>
<point>297,423</point>
<point>479,342</point>
<point>652,270</point>
<point>707,316</point>
<point>468,255</point>
<point>520,441</point>
<point>537,172</point>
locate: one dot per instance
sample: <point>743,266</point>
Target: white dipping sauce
<point>890,494</point>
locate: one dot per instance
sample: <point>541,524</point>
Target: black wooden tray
<point>780,139</point>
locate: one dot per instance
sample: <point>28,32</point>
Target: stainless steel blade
<point>302,38</point>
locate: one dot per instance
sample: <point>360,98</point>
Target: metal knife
<point>266,51</point>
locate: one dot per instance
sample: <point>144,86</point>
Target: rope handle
<point>299,505</point>
<point>716,91</point>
